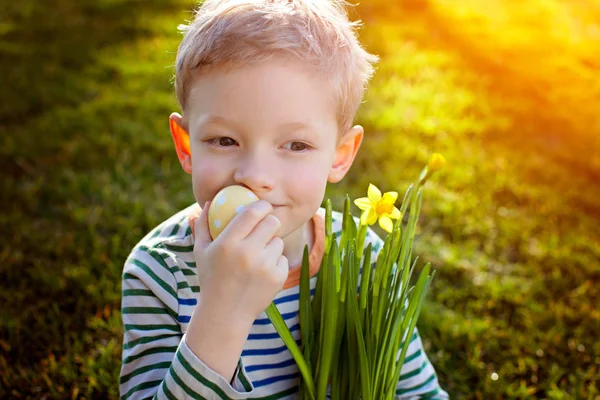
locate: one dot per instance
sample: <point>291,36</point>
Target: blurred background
<point>508,91</point>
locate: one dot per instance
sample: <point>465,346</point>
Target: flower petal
<point>372,218</point>
<point>374,193</point>
<point>390,197</point>
<point>363,203</point>
<point>386,223</point>
<point>396,214</point>
<point>364,217</point>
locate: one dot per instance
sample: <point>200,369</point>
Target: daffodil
<point>436,162</point>
<point>377,207</point>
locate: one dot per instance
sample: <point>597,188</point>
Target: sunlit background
<point>508,91</point>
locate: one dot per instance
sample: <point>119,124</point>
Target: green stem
<point>283,331</point>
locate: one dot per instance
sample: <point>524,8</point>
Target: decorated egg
<point>227,204</point>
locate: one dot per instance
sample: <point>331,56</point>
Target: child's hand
<point>242,270</point>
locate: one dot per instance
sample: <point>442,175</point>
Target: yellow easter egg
<point>227,204</point>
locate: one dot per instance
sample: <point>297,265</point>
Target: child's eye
<point>223,141</point>
<point>296,146</point>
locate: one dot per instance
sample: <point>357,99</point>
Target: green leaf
<point>305,309</point>
<point>330,322</point>
<point>365,279</point>
<point>359,364</point>
<point>285,334</point>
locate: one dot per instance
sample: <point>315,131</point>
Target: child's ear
<point>181,138</point>
<point>345,152</point>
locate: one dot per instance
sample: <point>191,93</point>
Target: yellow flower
<point>377,207</point>
<point>436,162</point>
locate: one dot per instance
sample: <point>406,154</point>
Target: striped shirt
<point>159,290</point>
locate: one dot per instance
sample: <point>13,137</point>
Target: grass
<point>510,225</point>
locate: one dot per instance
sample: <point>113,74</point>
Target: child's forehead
<point>278,89</point>
<point>283,66</point>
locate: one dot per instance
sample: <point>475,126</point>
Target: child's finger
<point>282,270</point>
<point>244,222</point>
<point>201,229</point>
<point>264,231</point>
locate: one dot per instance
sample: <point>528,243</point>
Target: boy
<point>268,91</point>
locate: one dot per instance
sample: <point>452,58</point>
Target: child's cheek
<point>309,184</point>
<point>208,178</point>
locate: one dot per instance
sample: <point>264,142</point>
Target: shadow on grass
<point>46,47</point>
<point>49,288</point>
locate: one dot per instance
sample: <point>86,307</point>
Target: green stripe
<point>279,395</point>
<point>185,285</point>
<point>185,387</point>
<point>168,393</point>
<point>155,327</point>
<point>175,230</point>
<point>413,373</point>
<point>127,275</point>
<point>406,390</point>
<point>159,258</point>
<point>185,271</point>
<point>412,339</point>
<point>182,285</point>
<point>142,370</point>
<point>144,310</point>
<point>156,233</point>
<point>181,249</point>
<point>376,246</point>
<point>146,339</point>
<point>156,278</point>
<point>141,386</point>
<point>190,264</point>
<point>137,292</point>
<point>201,378</point>
<point>412,356</point>
<point>154,350</point>
<point>430,394</point>
<point>242,377</point>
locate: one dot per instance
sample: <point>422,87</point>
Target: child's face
<point>272,128</point>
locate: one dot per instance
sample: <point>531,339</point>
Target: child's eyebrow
<point>295,126</point>
<point>218,120</point>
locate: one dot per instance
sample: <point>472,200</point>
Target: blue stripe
<point>260,321</point>
<point>260,367</point>
<point>184,318</point>
<point>274,379</point>
<point>291,297</point>
<point>267,321</point>
<point>274,335</point>
<point>266,352</point>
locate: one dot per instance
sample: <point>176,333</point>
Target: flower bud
<point>436,162</point>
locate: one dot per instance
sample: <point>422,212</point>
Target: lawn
<point>509,94</point>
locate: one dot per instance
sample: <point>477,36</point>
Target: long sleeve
<point>418,379</point>
<point>156,362</point>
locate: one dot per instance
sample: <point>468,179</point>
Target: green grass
<point>88,168</point>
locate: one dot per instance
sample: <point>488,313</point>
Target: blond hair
<point>230,33</point>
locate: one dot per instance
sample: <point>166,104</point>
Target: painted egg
<point>227,204</point>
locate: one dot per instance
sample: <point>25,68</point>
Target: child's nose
<point>255,172</point>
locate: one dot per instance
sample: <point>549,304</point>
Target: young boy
<point>268,91</point>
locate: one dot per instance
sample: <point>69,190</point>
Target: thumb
<point>201,231</point>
